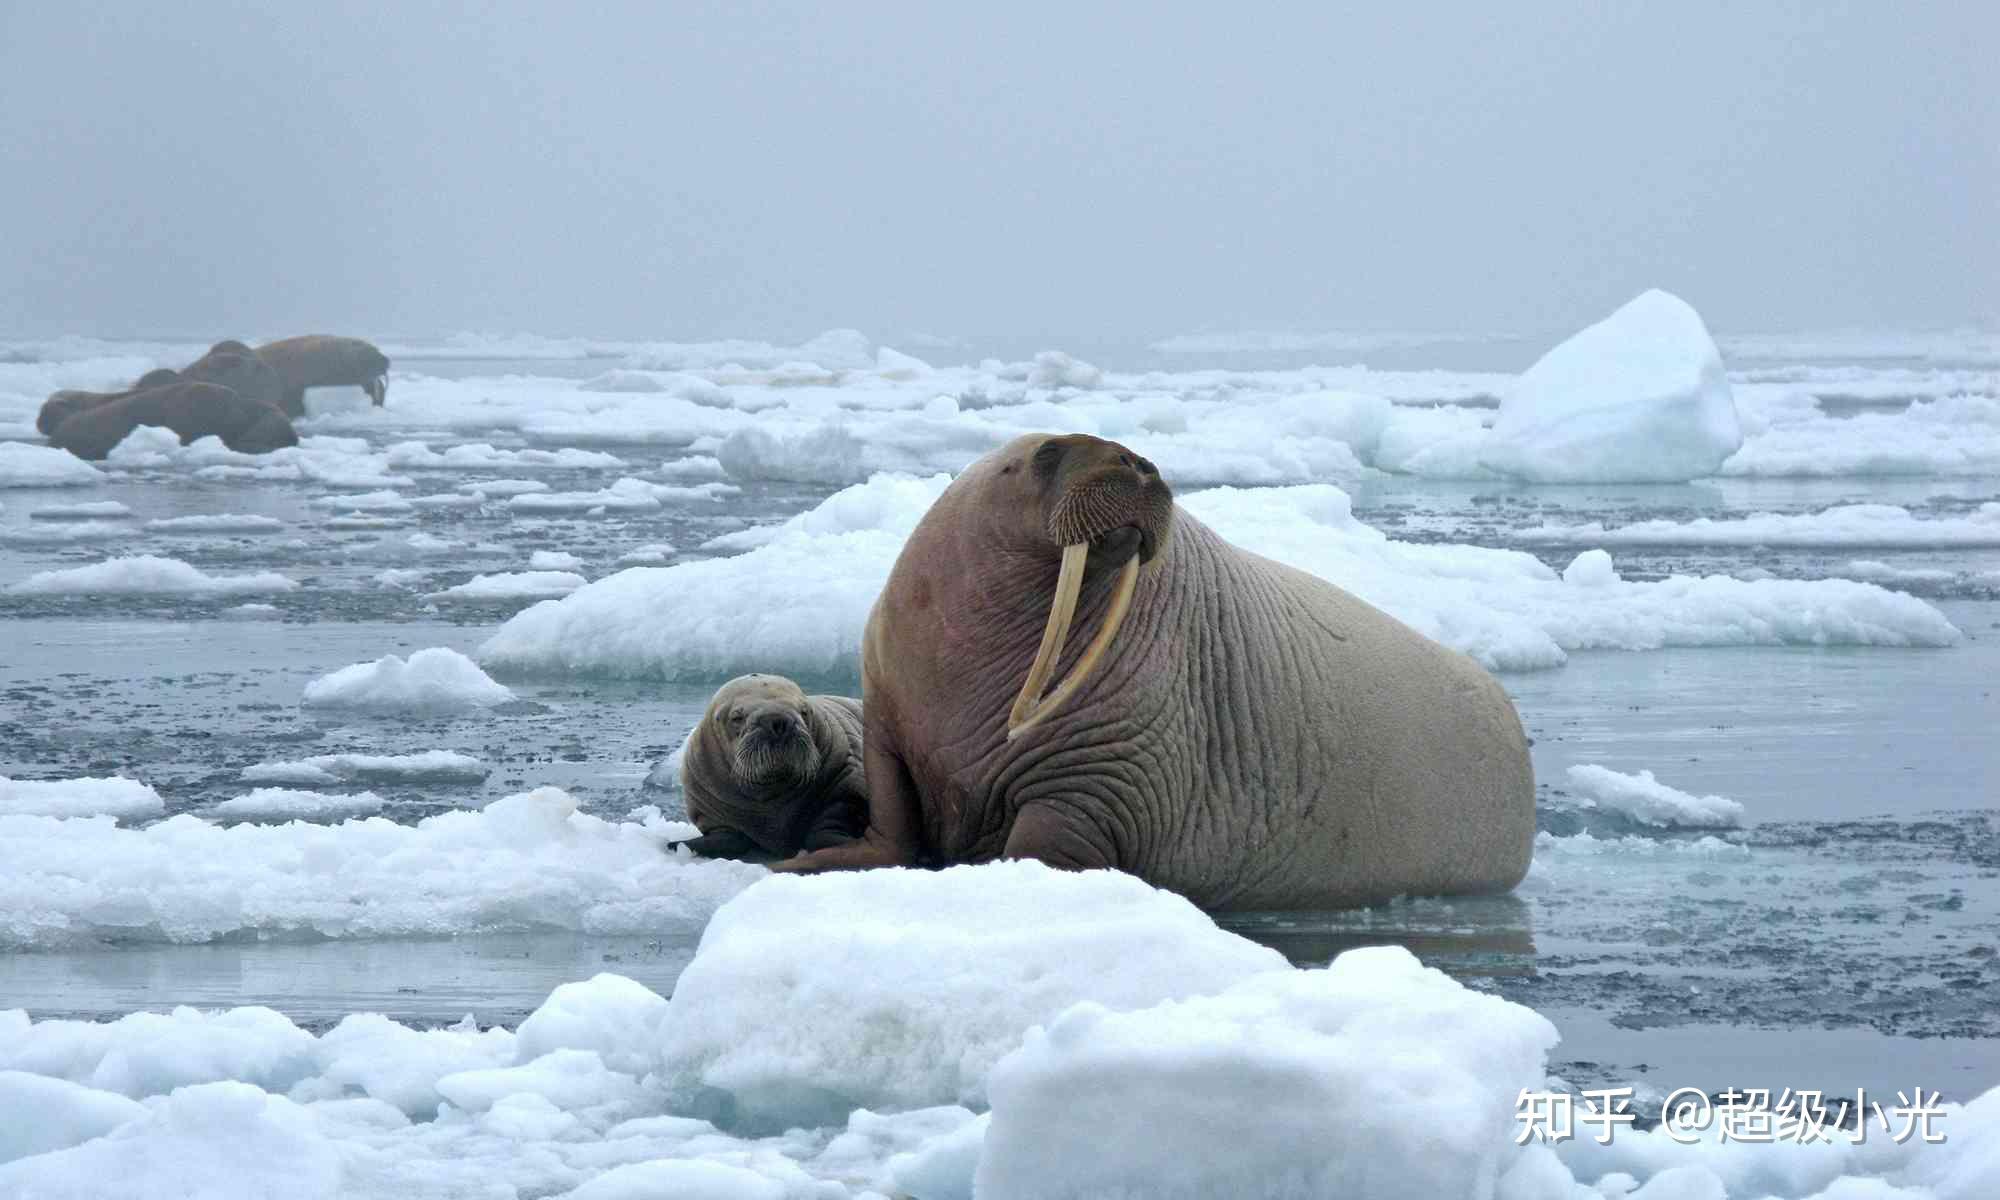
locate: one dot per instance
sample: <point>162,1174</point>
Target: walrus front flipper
<point>726,843</point>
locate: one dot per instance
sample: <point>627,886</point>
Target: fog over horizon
<point>773,170</point>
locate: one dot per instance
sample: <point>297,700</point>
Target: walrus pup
<point>1235,730</point>
<point>61,406</point>
<point>320,360</point>
<point>191,410</point>
<point>770,771</point>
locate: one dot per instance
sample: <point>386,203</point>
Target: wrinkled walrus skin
<point>1251,736</point>
<point>191,410</point>
<point>238,368</point>
<point>770,771</point>
<point>322,360</point>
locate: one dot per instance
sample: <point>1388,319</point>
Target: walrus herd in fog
<point>245,397</point>
<point>1235,730</point>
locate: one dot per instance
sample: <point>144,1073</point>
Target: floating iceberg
<point>1638,397</point>
<point>148,575</point>
<point>438,679</point>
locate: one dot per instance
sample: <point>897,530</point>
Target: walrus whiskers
<point>1121,603</point>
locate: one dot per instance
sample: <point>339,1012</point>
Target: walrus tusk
<point>1069,582</point>
<point>1028,712</point>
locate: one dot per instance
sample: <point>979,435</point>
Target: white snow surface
<point>1373,1076</point>
<point>148,575</point>
<point>1396,1082</point>
<point>1641,396</point>
<point>25,466</point>
<point>429,765</point>
<point>528,861</point>
<point>1650,802</point>
<point>800,1003</point>
<point>438,679</point>
<point>1874,526</point>
<point>797,601</point>
<point>110,796</point>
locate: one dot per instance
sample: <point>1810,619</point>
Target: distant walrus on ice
<point>191,410</point>
<point>320,360</point>
<point>770,771</point>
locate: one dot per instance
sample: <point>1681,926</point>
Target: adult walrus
<point>321,360</point>
<point>192,410</point>
<point>1236,730</point>
<point>769,771</point>
<point>237,367</point>
<point>61,406</point>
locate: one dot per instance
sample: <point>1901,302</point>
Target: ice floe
<point>148,575</point>
<point>799,1007</point>
<point>268,803</point>
<point>1872,526</point>
<point>216,523</point>
<point>1650,802</point>
<point>797,601</point>
<point>434,680</point>
<point>111,796</point>
<point>525,862</point>
<point>514,585</point>
<point>428,766</point>
<point>1639,397</point>
<point>25,466</point>
<point>1237,1075</point>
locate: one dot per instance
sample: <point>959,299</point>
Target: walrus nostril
<point>776,724</point>
<point>1146,467</point>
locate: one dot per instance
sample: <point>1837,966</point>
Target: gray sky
<point>776,169</point>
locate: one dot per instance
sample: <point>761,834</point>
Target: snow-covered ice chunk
<point>501,489</point>
<point>1054,369</point>
<point>25,466</point>
<point>1651,802</point>
<point>1885,526</point>
<point>438,679</point>
<point>553,560</point>
<point>1641,396</point>
<point>266,803</point>
<point>565,1078</point>
<point>798,601</point>
<point>110,797</point>
<point>526,862</point>
<point>196,1142</point>
<point>148,575</point>
<point>383,501</point>
<point>149,1054</point>
<point>1955,435</point>
<point>390,1062</point>
<point>610,1015</point>
<point>39,1114</point>
<point>649,555</point>
<point>216,523</point>
<point>514,585</point>
<point>481,455</point>
<point>1592,568</point>
<point>796,604</point>
<point>88,511</point>
<point>626,495</point>
<point>1375,1076</point>
<point>690,1177</point>
<point>445,766</point>
<point>810,996</point>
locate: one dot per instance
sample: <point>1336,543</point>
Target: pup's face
<point>761,721</point>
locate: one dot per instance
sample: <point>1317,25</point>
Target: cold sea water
<point>1843,932</point>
